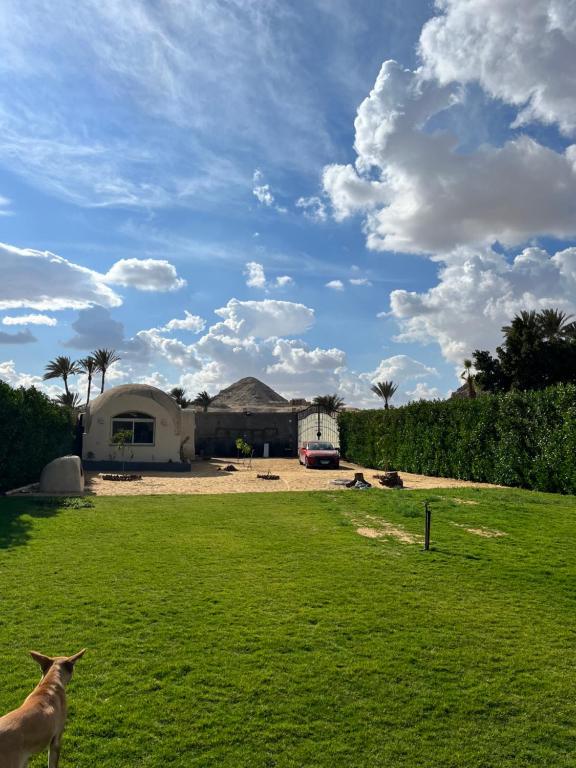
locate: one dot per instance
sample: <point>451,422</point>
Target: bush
<point>525,439</point>
<point>33,431</point>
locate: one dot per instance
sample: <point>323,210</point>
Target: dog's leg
<point>54,756</point>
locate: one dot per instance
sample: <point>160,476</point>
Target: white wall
<point>171,426</point>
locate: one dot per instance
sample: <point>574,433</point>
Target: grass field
<point>262,630</point>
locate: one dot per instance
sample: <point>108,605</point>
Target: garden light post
<point>427,524</point>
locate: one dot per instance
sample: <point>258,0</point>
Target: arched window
<point>141,425</point>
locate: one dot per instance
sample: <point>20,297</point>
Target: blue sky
<point>322,194</point>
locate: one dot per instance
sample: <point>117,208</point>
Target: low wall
<point>217,432</point>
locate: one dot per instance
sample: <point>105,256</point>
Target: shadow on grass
<point>17,516</point>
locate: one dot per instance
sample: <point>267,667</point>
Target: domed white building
<point>162,432</point>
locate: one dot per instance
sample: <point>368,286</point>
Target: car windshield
<point>320,447</point>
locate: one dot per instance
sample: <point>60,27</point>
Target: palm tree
<point>104,358</point>
<point>385,390</point>
<point>179,395</point>
<point>68,400</point>
<point>203,399</point>
<point>61,368</point>
<point>556,324</point>
<point>468,377</point>
<point>88,366</point>
<point>331,403</point>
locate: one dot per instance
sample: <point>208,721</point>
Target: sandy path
<point>207,477</point>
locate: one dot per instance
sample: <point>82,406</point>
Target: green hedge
<point>525,439</point>
<point>33,431</point>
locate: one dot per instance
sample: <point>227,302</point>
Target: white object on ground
<point>63,475</point>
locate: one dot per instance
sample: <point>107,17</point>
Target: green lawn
<point>261,630</point>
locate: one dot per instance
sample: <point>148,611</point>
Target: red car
<point>318,454</point>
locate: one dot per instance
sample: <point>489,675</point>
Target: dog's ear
<point>44,661</point>
<point>73,659</point>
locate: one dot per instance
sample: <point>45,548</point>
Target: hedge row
<point>525,439</point>
<point>33,431</point>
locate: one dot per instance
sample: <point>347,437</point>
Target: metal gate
<point>315,423</point>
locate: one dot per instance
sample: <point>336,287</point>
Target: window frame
<point>142,419</point>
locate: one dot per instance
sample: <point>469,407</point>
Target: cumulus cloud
<point>265,318</point>
<point>427,196</point>
<point>294,357</point>
<point>29,320</point>
<point>262,191</point>
<point>145,275</point>
<point>95,329</point>
<point>189,322</point>
<point>524,56</point>
<point>335,285</point>
<point>478,292</point>
<point>423,391</point>
<point>22,337</point>
<point>399,368</point>
<point>313,208</point>
<point>44,281</point>
<point>256,278</point>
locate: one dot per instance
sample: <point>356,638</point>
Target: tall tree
<point>203,399</point>
<point>538,350</point>
<point>385,390</point>
<point>468,377</point>
<point>179,395</point>
<point>88,366</point>
<point>61,368</point>
<point>104,359</point>
<point>330,403</point>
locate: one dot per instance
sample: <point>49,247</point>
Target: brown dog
<point>39,722</point>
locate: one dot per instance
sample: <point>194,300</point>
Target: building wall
<point>170,429</point>
<point>216,432</point>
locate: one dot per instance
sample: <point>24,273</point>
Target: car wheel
<point>306,462</point>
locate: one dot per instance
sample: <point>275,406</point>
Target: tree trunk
<point>89,387</point>
<point>103,376</point>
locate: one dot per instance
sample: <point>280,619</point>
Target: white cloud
<point>145,275</point>
<point>29,320</point>
<point>189,322</point>
<point>256,278</point>
<point>313,208</point>
<point>10,375</point>
<point>296,358</point>
<point>360,281</point>
<point>423,391</point>
<point>399,368</point>
<point>265,318</point>
<point>151,344</point>
<point>480,291</point>
<point>43,281</point>
<point>427,196</point>
<point>522,55</point>
<point>262,191</point>
<point>335,285</point>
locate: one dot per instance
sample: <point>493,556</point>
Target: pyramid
<point>247,392</point>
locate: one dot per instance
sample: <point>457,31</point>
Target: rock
<point>63,475</point>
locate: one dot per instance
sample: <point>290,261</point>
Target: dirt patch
<point>466,501</point>
<point>486,533</point>
<point>387,530</point>
<point>209,477</point>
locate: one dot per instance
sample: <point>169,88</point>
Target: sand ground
<point>208,477</point>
